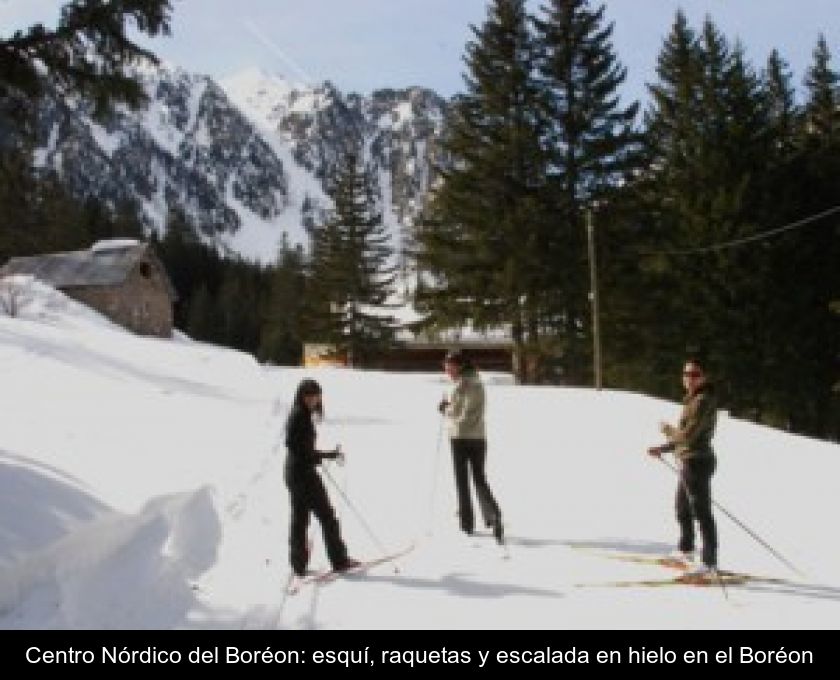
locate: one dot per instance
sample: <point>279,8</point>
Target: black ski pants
<point>308,495</point>
<point>470,455</point>
<point>694,503</point>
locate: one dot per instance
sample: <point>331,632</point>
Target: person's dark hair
<point>695,360</point>
<point>308,387</point>
<point>702,365</point>
<point>459,358</point>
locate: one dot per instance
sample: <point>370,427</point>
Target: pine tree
<point>592,147</point>
<point>806,277</point>
<point>126,223</point>
<point>710,143</point>
<point>38,213</point>
<point>482,243</point>
<point>351,269</point>
<point>201,323</point>
<point>284,318</point>
<point>670,141</point>
<point>781,103</point>
<point>675,103</point>
<point>591,139</point>
<point>97,219</point>
<point>89,53</point>
<point>20,197</point>
<point>327,279</point>
<point>822,112</point>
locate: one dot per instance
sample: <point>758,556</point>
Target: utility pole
<point>593,293</point>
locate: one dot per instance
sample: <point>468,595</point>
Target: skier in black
<point>305,486</point>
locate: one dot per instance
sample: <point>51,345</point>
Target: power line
<point>747,239</point>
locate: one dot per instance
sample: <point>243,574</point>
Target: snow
<point>48,306</point>
<point>402,114</point>
<point>141,487</point>
<point>40,156</point>
<point>157,121</point>
<point>199,87</point>
<point>267,100</point>
<point>106,141</point>
<point>106,245</point>
<point>156,208</point>
<point>254,81</point>
<point>309,101</point>
<point>157,118</point>
<point>263,98</point>
<point>257,239</point>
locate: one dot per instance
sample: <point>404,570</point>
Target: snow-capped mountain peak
<point>247,159</point>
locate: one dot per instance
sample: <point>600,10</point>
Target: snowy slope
<point>141,486</point>
<point>311,127</point>
<point>266,100</point>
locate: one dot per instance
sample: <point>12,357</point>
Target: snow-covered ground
<point>141,487</point>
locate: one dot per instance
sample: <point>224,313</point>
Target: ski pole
<point>751,533</point>
<point>339,460</point>
<point>355,511</point>
<point>435,477</point>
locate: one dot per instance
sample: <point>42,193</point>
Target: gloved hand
<point>667,430</point>
<point>338,455</point>
<point>655,451</point>
<point>442,406</point>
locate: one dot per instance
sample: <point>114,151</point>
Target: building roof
<point>106,263</point>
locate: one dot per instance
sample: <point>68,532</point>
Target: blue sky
<point>362,45</point>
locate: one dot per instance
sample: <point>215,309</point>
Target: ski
<point>295,582</point>
<point>329,575</point>
<point>717,578</point>
<point>705,581</point>
<point>287,590</point>
<point>657,560</point>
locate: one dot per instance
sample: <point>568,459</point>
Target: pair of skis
<point>683,577</point>
<point>295,583</point>
<point>328,575</point>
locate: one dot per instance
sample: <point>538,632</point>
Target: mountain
<point>246,159</point>
<point>189,149</point>
<point>399,129</point>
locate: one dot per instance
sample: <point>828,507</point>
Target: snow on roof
<point>106,263</point>
<point>114,244</point>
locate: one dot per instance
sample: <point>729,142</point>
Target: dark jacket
<point>692,438</point>
<point>302,456</point>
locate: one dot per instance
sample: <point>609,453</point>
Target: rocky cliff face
<point>247,159</point>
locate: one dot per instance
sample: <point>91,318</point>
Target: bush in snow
<point>15,294</point>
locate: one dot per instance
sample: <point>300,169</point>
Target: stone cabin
<point>121,278</point>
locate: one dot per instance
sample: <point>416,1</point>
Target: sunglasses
<point>692,374</point>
